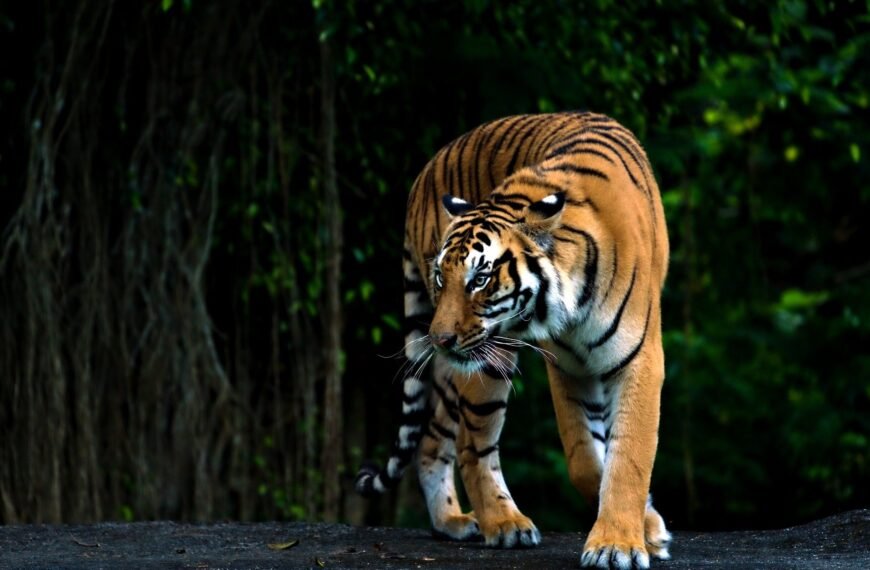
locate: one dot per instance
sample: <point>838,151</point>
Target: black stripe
<point>489,130</point>
<point>537,183</point>
<point>484,409</point>
<point>415,418</point>
<point>510,204</point>
<point>530,131</point>
<point>580,151</point>
<point>494,372</point>
<point>421,217</point>
<point>449,405</point>
<point>541,308</point>
<point>510,124</point>
<point>614,267</point>
<point>568,348</point>
<point>505,210</point>
<point>590,270</point>
<point>504,258</point>
<point>598,436</point>
<point>615,324</point>
<point>485,452</point>
<point>413,398</point>
<point>416,323</point>
<point>567,143</point>
<point>635,148</point>
<point>564,239</point>
<point>581,170</point>
<point>442,430</point>
<point>433,196</point>
<point>499,197</point>
<point>474,167</point>
<point>630,356</point>
<point>597,417</point>
<point>595,118</point>
<point>637,159</point>
<point>459,170</point>
<point>586,202</point>
<point>611,148</point>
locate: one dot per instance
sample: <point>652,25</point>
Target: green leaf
<point>366,288</point>
<point>796,299</point>
<point>282,545</point>
<point>391,321</point>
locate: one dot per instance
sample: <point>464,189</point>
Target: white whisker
<point>402,351</point>
<point>514,342</point>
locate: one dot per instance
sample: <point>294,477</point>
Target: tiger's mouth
<point>485,356</point>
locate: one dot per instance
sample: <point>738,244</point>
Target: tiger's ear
<point>454,205</point>
<point>545,214</point>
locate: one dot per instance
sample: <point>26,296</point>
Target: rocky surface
<point>842,541</point>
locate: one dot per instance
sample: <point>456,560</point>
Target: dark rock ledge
<point>841,541</point>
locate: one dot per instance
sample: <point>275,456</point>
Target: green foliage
<point>755,117</point>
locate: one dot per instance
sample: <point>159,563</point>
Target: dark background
<point>202,204</point>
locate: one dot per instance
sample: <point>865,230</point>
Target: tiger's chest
<point>591,349</point>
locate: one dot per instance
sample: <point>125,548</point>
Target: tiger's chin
<point>465,364</point>
<point>495,363</point>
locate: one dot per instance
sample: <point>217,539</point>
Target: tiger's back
<point>595,145</point>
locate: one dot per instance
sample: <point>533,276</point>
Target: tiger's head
<point>493,280</point>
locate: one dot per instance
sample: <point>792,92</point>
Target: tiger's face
<point>492,282</point>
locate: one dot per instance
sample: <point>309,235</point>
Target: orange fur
<point>552,230</point>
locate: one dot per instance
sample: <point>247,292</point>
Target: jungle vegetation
<point>202,203</point>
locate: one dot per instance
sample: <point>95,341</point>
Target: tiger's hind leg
<point>656,535</point>
<point>482,402</point>
<point>583,419</point>
<point>437,458</point>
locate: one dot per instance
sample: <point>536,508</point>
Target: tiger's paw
<point>621,557</point>
<point>614,551</point>
<point>517,531</point>
<point>457,527</point>
<point>656,535</point>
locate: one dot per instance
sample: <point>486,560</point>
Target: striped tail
<point>372,479</point>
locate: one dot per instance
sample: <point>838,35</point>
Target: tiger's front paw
<point>457,527</point>
<point>516,531</point>
<point>614,550</point>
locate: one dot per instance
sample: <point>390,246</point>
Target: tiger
<point>548,231</point>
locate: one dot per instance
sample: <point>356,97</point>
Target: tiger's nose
<point>444,340</point>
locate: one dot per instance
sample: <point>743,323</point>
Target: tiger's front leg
<point>628,529</point>
<point>585,417</point>
<point>437,458</point>
<point>482,402</point>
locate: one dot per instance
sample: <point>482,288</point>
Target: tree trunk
<point>332,409</point>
